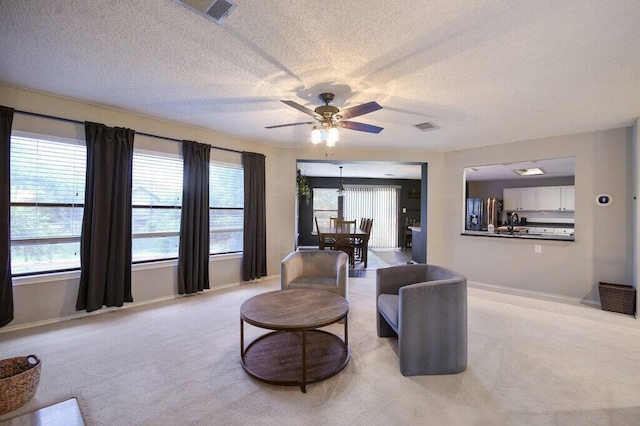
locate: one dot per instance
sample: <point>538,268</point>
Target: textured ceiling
<point>485,72</point>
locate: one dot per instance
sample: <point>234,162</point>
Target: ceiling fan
<point>329,117</point>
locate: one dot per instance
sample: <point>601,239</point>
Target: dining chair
<point>332,221</point>
<point>345,230</point>
<point>361,244</point>
<point>323,240</point>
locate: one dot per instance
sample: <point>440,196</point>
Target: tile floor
<point>380,259</point>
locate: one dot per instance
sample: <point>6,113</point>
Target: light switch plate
<point>538,248</point>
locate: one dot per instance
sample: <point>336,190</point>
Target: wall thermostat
<point>603,199</point>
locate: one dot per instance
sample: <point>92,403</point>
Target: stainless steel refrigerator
<point>481,212</point>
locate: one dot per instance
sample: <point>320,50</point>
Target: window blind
<point>157,202</point>
<point>379,203</point>
<point>226,208</point>
<point>47,200</point>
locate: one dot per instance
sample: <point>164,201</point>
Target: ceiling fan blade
<point>287,125</point>
<point>352,125</point>
<point>359,110</point>
<point>303,109</point>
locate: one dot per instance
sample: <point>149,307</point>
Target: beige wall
<point>635,187</point>
<point>602,250</point>
<point>46,298</point>
<point>600,253</point>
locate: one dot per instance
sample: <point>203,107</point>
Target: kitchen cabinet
<point>543,231</point>
<point>519,199</point>
<point>540,198</point>
<point>548,198</point>
<point>556,198</point>
<point>569,197</point>
<point>563,231</point>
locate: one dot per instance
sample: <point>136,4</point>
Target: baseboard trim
<point>127,306</point>
<point>534,294</point>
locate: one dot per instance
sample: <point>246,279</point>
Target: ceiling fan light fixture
<point>329,118</point>
<point>316,135</point>
<point>333,136</point>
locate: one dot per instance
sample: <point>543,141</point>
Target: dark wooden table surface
<point>283,356</point>
<point>327,231</point>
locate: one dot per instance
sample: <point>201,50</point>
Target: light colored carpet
<point>531,362</point>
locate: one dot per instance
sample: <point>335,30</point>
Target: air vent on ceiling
<point>217,10</point>
<point>426,126</point>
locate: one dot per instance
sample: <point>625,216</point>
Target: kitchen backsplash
<point>543,217</point>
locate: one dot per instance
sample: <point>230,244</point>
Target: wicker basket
<point>618,298</point>
<point>19,378</point>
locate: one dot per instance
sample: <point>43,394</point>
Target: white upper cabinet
<point>542,198</point>
<point>549,198</point>
<point>518,199</point>
<point>527,198</point>
<point>569,197</point>
<point>511,199</point>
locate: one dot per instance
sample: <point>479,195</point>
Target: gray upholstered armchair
<point>426,307</point>
<point>317,269</point>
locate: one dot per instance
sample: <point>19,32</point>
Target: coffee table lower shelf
<point>295,358</point>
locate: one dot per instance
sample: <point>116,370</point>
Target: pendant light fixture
<point>341,187</point>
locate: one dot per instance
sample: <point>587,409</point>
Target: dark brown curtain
<point>254,256</point>
<point>105,243</point>
<point>6,285</point>
<point>193,259</point>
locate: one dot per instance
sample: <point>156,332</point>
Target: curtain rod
<point>68,120</point>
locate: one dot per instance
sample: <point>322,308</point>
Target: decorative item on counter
<point>491,228</point>
<point>303,187</point>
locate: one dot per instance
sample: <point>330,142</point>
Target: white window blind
<point>47,201</point>
<point>226,208</point>
<point>379,203</point>
<point>157,204</point>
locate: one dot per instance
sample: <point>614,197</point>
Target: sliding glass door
<point>380,203</point>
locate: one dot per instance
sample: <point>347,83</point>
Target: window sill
<point>75,275</point>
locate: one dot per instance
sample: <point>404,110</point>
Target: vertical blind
<point>379,203</point>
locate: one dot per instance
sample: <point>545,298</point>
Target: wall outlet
<point>537,248</point>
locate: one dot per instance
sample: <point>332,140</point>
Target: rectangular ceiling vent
<point>426,126</point>
<point>217,10</point>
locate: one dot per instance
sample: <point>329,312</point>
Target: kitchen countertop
<point>523,236</point>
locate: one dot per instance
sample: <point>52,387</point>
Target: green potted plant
<point>304,192</point>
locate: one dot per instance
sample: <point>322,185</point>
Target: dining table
<point>330,232</point>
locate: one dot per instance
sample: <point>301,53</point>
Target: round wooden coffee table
<point>295,353</point>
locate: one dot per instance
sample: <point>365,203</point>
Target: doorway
<point>410,180</point>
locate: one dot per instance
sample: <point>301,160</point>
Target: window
<point>325,205</point>
<point>226,208</point>
<point>157,204</point>
<point>47,202</point>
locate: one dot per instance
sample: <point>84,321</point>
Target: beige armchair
<point>317,269</point>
